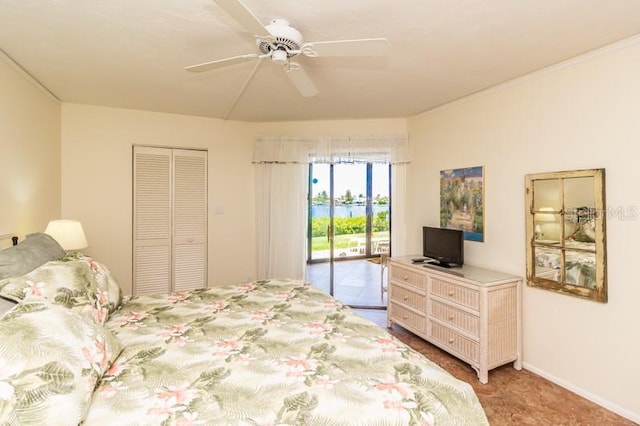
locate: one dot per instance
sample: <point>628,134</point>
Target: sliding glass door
<point>349,228</point>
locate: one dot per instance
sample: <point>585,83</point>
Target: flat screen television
<point>444,246</point>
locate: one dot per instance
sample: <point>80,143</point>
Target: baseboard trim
<point>634,417</point>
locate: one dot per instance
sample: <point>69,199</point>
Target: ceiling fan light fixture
<point>279,57</point>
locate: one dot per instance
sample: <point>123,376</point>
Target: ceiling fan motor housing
<point>286,38</point>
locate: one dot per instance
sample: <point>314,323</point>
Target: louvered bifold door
<point>151,220</point>
<point>189,219</point>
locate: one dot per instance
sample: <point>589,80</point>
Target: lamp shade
<point>68,233</point>
<point>545,215</point>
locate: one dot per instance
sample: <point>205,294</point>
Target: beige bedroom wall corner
<point>578,115</point>
<point>97,183</point>
<point>29,156</point>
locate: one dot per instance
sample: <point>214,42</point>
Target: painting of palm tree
<point>462,201</point>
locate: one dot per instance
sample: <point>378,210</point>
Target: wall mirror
<point>566,233</point>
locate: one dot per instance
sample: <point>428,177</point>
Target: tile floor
<point>511,397</point>
<point>356,282</point>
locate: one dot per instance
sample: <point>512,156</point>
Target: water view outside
<point>322,210</point>
<point>350,214</point>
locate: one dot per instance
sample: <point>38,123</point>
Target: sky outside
<point>353,177</point>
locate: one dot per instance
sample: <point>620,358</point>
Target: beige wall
<point>97,178</point>
<point>29,156</point>
<point>582,114</point>
<point>97,183</point>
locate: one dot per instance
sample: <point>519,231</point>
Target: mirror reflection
<point>566,232</point>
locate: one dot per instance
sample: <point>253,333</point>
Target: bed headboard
<point>7,236</point>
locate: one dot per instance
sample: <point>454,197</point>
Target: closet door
<point>170,220</point>
<point>189,219</point>
<point>151,220</point>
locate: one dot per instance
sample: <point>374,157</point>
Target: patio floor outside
<point>356,282</point>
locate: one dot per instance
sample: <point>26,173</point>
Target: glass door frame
<point>368,252</point>
<point>330,227</point>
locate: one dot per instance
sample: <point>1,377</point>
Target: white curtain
<point>398,208</point>
<point>281,219</point>
<point>359,149</point>
<point>281,191</point>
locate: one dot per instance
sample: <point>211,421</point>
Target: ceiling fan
<point>281,42</point>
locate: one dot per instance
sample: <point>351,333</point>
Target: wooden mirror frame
<point>549,261</point>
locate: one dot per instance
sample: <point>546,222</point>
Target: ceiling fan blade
<point>360,47</point>
<point>206,66</point>
<point>243,16</point>
<point>302,81</point>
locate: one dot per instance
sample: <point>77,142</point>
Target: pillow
<point>6,305</point>
<point>50,361</point>
<point>77,282</point>
<point>104,282</point>
<point>35,250</point>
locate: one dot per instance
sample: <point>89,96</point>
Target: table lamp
<point>68,233</point>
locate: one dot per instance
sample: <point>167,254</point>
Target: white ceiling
<point>132,53</point>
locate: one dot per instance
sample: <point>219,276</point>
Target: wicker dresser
<point>470,312</point>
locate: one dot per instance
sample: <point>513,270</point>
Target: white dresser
<point>473,313</point>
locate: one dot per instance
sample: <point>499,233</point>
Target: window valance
<point>392,149</point>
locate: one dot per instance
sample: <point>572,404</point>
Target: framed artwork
<point>462,201</point>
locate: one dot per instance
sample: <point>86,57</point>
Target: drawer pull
<point>406,277</point>
<point>404,317</point>
<point>451,293</point>
<point>451,317</point>
<point>451,340</point>
<point>404,299</point>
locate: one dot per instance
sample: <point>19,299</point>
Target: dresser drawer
<point>461,295</point>
<point>409,298</point>
<point>454,342</point>
<point>407,317</point>
<point>459,319</point>
<point>408,277</point>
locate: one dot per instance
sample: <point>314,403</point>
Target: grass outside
<point>341,241</point>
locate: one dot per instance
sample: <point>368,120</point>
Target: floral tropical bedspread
<point>580,266</point>
<point>274,352</point>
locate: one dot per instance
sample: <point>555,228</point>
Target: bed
<point>579,257</point>
<point>272,352</point>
